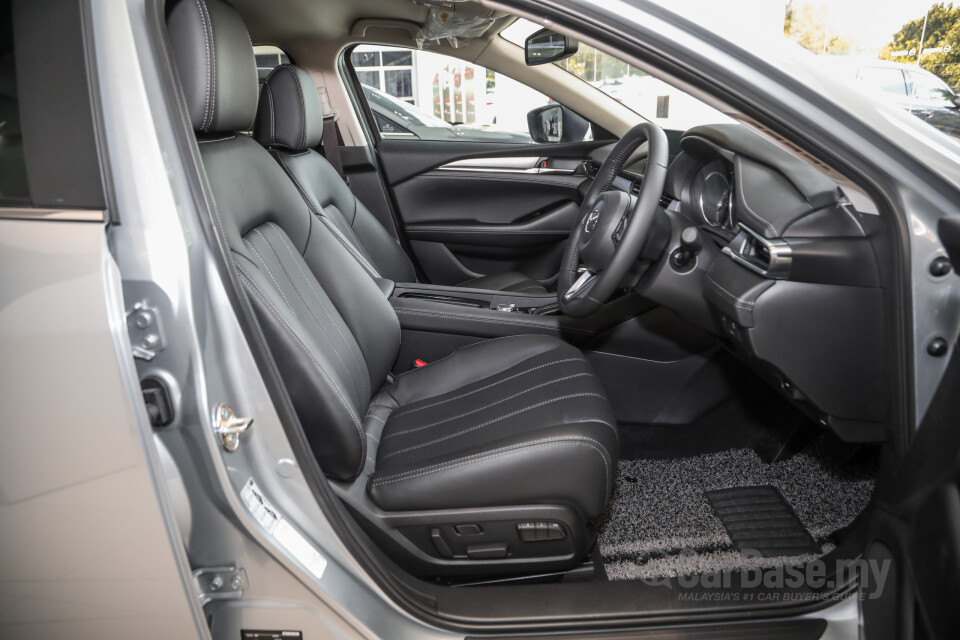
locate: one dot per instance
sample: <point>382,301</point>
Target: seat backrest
<point>330,329</point>
<point>290,124</point>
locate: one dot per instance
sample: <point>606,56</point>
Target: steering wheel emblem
<point>591,223</point>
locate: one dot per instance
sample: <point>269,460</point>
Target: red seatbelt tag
<point>419,363</point>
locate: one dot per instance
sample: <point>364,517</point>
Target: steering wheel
<point>612,226</point>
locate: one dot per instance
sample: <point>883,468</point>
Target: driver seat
<point>290,124</point>
<point>495,459</point>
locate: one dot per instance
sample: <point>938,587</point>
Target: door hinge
<point>219,583</point>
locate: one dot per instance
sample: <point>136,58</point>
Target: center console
<point>501,301</point>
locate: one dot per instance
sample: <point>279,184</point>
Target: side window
<point>13,169</point>
<point>428,96</point>
<point>931,90</point>
<point>884,79</point>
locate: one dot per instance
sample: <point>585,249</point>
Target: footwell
<point>660,522</point>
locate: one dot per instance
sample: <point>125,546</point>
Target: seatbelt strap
<point>331,133</point>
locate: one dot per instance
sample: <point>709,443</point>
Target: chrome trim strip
<point>520,164</point>
<point>53,215</point>
<point>781,255</point>
<point>531,171</point>
<point>513,162</point>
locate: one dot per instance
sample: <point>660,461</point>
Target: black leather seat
<point>501,437</point>
<point>290,123</point>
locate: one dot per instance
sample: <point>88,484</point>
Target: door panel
<point>472,209</point>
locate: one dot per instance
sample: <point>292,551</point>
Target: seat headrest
<point>290,113</point>
<point>214,57</point>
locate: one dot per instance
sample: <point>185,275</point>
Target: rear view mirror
<point>556,123</point>
<point>548,46</point>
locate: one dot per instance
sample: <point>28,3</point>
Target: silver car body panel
<point>84,538</point>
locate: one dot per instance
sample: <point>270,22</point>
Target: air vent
<point>666,201</point>
<point>591,168</point>
<point>769,258</point>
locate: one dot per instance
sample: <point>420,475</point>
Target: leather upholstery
<point>330,198</point>
<point>516,420</point>
<point>215,62</point>
<point>290,114</point>
<point>290,123</point>
<point>332,332</point>
<point>512,421</point>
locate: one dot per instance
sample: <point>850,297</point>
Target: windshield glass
<point>903,52</point>
<point>647,96</point>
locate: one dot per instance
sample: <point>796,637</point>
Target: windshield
<point>905,53</point>
<point>644,94</point>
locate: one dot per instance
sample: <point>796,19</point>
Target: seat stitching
<point>301,104</point>
<point>494,420</point>
<point>206,47</point>
<point>486,406</point>
<point>504,451</point>
<point>492,384</point>
<point>269,273</point>
<point>314,360</point>
<point>273,114</point>
<point>535,325</point>
<point>323,305</point>
<point>357,388</point>
<point>453,353</point>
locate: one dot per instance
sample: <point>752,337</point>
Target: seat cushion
<point>517,420</point>
<point>509,281</point>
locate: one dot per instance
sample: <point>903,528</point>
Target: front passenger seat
<point>290,124</point>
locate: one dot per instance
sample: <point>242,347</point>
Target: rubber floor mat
<point>759,520</point>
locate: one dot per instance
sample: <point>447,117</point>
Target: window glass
<point>647,96</point>
<point>931,90</point>
<point>886,80</point>
<point>14,189</point>
<point>426,95</point>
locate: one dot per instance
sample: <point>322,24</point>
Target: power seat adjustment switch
<point>540,531</point>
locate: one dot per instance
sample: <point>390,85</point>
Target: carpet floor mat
<point>660,522</point>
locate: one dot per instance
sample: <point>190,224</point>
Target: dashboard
<point>787,277</point>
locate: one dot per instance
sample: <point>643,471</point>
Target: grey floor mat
<point>660,524</point>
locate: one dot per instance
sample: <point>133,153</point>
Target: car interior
<point>588,366</point>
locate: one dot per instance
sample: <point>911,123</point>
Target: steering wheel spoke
<point>613,226</point>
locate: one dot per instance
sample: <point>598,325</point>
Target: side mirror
<point>956,99</point>
<point>548,46</point>
<point>556,123</point>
